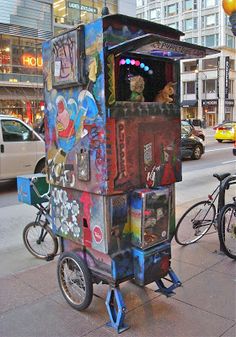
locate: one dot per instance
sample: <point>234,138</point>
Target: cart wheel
<point>75,280</point>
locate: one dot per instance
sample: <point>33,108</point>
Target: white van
<point>22,150</point>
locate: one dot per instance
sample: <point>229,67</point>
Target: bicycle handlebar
<point>45,195</point>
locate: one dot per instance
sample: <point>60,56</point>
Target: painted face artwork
<point>63,117</point>
<point>65,56</point>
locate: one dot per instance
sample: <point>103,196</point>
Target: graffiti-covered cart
<point>112,131</point>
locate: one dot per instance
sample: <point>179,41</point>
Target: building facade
<point>24,25</point>
<point>208,86</point>
<point>68,13</point>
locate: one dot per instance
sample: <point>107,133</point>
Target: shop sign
<point>227,66</point>
<point>30,60</point>
<point>229,102</point>
<point>209,102</point>
<point>218,77</point>
<point>81,7</point>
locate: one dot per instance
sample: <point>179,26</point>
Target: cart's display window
<point>141,79</point>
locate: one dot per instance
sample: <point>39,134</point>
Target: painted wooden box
<point>26,192</point>
<point>150,217</point>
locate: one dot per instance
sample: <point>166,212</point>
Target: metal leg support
<point>116,309</point>
<point>168,291</point>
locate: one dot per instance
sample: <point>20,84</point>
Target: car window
<point>187,125</point>
<point>14,131</point>
<point>184,130</point>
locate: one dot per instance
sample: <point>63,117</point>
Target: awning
<point>159,46</point>
<point>189,103</point>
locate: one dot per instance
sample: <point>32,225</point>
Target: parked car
<point>225,131</point>
<point>191,145</point>
<point>196,132</point>
<point>22,150</point>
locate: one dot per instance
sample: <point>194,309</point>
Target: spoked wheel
<point>75,280</point>
<point>195,223</point>
<point>40,240</point>
<point>227,230</point>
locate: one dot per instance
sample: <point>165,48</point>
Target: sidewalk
<point>32,304</point>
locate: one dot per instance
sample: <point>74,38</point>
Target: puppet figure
<point>137,86</point>
<point>164,95</point>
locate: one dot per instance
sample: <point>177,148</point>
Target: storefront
<point>21,79</point>
<point>229,106</point>
<point>210,111</point>
<point>189,109</point>
<point>73,12</point>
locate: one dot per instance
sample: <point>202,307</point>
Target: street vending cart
<point>112,132</point>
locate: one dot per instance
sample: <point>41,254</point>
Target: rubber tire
<point>194,154</point>
<point>182,218</point>
<point>219,140</point>
<point>41,168</point>
<point>87,277</point>
<point>49,232</point>
<point>221,230</point>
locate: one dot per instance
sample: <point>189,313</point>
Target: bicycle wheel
<point>227,230</point>
<point>40,240</point>
<point>195,223</point>
<point>75,280</point>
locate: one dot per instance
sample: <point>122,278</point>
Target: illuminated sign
<point>30,60</point>
<point>80,7</point>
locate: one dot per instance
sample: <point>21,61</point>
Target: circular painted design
<point>97,234</point>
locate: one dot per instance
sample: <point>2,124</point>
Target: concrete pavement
<point>205,306</point>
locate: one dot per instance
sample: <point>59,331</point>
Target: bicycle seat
<point>221,177</point>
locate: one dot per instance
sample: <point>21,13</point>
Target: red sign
<point>30,60</point>
<point>97,234</point>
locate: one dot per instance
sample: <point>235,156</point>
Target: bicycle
<point>227,229</point>
<point>199,218</point>
<point>38,236</point>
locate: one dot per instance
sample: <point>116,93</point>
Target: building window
<point>189,87</point>
<point>190,66</point>
<point>209,3</point>
<point>190,24</point>
<point>209,63</point>
<point>210,40</point>
<point>171,10</point>
<point>210,20</point>
<point>189,5</point>
<point>174,25</point>
<point>192,40</point>
<point>20,56</point>
<point>231,64</point>
<point>155,13</point>
<point>140,3</point>
<point>229,41</point>
<point>209,86</point>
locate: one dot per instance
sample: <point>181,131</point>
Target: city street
<point>197,183</point>
<point>203,307</point>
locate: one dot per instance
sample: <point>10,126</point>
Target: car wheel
<point>219,140</point>
<point>197,152</point>
<point>40,168</point>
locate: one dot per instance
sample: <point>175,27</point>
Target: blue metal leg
<point>168,291</point>
<point>116,309</point>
